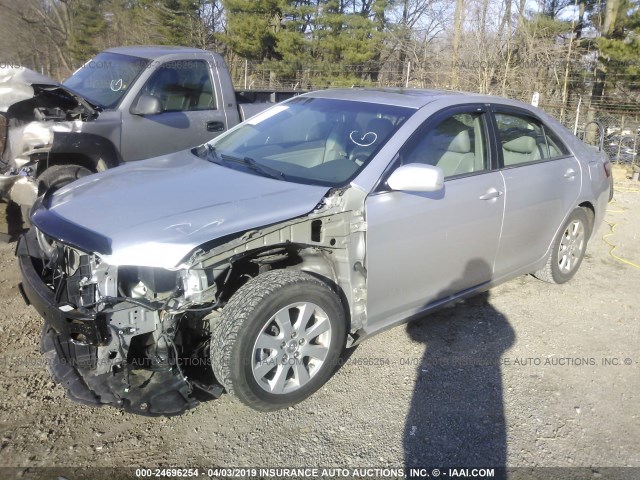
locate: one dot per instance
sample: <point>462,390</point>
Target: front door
<point>422,247</point>
<point>189,115</point>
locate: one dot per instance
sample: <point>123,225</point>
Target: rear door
<point>190,115</point>
<point>542,181</point>
<point>422,247</point>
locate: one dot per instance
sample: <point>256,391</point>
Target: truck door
<point>188,115</point>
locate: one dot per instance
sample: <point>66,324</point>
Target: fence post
<point>575,126</point>
<point>634,155</point>
<point>406,85</point>
<point>246,65</point>
<point>620,140</point>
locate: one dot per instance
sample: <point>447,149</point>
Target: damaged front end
<point>33,109</point>
<point>138,337</point>
<point>112,335</point>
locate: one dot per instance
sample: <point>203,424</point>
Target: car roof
<point>413,97</point>
<point>153,51</point>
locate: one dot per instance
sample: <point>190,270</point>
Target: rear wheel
<point>568,249</point>
<point>278,339</point>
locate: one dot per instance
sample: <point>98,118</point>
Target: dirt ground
<point>530,375</point>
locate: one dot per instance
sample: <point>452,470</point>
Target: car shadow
<point>456,417</point>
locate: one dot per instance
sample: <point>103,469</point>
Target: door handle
<point>491,194</point>
<point>215,126</point>
<point>570,173</point>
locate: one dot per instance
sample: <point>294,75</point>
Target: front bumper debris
<point>90,354</point>
<point>74,324</point>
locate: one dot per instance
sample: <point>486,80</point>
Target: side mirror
<point>417,177</point>
<point>146,105</point>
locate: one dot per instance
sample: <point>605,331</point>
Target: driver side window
<point>182,86</point>
<point>457,145</point>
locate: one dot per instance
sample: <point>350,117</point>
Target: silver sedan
<point>307,229</point>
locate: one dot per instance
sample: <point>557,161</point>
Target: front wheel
<point>278,340</point>
<point>56,177</point>
<point>568,249</point>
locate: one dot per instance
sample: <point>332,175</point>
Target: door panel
<point>189,116</point>
<point>538,197</point>
<point>542,182</point>
<point>153,135</point>
<point>422,247</point>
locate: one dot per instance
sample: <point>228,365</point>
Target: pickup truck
<point>125,104</point>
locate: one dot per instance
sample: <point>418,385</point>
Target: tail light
<point>607,168</point>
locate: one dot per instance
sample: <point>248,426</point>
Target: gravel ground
<point>514,378</point>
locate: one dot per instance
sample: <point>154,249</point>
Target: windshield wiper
<point>209,152</point>
<point>255,166</point>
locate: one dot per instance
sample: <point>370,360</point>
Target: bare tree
<point>458,21</point>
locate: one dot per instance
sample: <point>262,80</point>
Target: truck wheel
<point>568,249</point>
<point>56,177</point>
<point>278,339</point>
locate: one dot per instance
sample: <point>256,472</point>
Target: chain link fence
<point>619,132</point>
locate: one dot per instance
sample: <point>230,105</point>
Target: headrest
<point>523,144</point>
<point>381,126</point>
<point>452,136</point>
<point>461,143</point>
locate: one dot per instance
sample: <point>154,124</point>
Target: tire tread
<point>226,328</point>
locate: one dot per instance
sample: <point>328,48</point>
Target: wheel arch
<point>94,152</point>
<point>309,259</point>
<point>591,214</point>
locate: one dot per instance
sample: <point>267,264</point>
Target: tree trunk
<point>597,92</point>
<point>458,21</point>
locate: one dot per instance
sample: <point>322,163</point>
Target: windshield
<point>313,140</point>
<point>104,79</point>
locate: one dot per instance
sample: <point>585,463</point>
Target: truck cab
<point>160,99</point>
<point>125,104</point>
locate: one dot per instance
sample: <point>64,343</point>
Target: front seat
<point>449,147</point>
<point>164,86</point>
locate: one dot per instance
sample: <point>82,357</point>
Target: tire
<point>301,325</point>
<point>568,249</point>
<point>56,177</point>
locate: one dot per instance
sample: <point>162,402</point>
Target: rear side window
<point>456,144</point>
<point>556,147</point>
<point>524,140</point>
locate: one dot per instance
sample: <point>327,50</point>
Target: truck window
<point>105,79</point>
<point>182,86</point>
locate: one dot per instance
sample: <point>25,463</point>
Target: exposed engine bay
<point>139,337</point>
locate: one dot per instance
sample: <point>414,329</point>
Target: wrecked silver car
<point>249,263</point>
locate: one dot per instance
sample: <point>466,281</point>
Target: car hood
<point>155,212</point>
<point>19,84</point>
